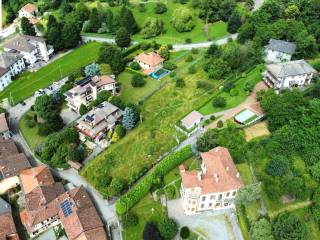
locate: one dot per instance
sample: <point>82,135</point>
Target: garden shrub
<point>170,192</point>
<point>192,70</point>
<point>219,124</point>
<point>168,228</point>
<point>180,82</point>
<point>204,85</point>
<point>128,200</point>
<point>137,81</point>
<point>234,92</point>
<point>160,8</point>
<point>131,49</point>
<point>142,7</point>
<point>129,220</point>
<point>184,232</point>
<point>135,66</point>
<point>219,102</point>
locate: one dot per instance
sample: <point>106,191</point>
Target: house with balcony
<point>214,187</point>
<point>33,49</point>
<point>288,75</point>
<point>95,124</point>
<point>87,89</point>
<point>279,51</point>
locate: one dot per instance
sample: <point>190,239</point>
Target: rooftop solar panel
<point>66,208</point>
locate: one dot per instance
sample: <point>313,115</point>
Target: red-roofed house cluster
<point>48,205</point>
<point>215,186</point>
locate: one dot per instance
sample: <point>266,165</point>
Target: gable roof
<point>191,118</point>
<point>7,147</point>
<point>35,177</point>
<point>12,165</point>
<point>151,59</point>
<point>84,221</point>
<point>23,43</point>
<point>219,173</point>
<point>293,68</point>
<point>30,8</point>
<point>7,59</point>
<point>7,227</point>
<point>103,80</point>
<point>281,46</point>
<point>3,123</point>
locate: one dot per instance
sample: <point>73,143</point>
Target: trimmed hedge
<point>133,196</point>
<point>131,49</point>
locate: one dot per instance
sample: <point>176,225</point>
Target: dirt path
<point>290,208</point>
<point>230,113</point>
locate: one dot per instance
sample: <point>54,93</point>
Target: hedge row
<point>131,49</point>
<point>129,199</point>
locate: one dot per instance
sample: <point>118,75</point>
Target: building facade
<point>214,187</point>
<point>279,51</point>
<point>288,75</point>
<point>87,91</point>
<point>29,11</point>
<point>149,62</point>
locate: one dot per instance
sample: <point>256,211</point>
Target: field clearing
<point>28,82</point>
<point>257,130</point>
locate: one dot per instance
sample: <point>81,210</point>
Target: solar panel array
<point>66,208</point>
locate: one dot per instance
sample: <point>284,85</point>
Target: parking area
<point>211,225</point>
<point>68,116</point>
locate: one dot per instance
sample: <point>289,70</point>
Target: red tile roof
<point>152,59</point>
<point>30,8</point>
<point>220,173</point>
<point>103,80</point>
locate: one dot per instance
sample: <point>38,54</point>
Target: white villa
<point>149,62</point>
<point>95,124</point>
<point>29,11</point>
<point>279,51</point>
<point>87,89</point>
<point>5,78</point>
<point>193,119</point>
<point>33,49</point>
<point>215,186</point>
<point>287,75</point>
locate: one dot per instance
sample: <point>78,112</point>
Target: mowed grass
<point>28,82</point>
<point>30,134</point>
<point>134,95</point>
<point>171,36</point>
<point>156,134</point>
<point>254,76</point>
<point>147,210</point>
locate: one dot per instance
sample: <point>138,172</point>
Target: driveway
<point>211,225</point>
<point>68,116</point>
<point>230,113</point>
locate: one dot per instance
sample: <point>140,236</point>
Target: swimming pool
<point>160,73</point>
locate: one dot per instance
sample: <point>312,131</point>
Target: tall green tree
<point>27,27</point>
<point>70,34</point>
<point>122,37</point>
<point>127,20</point>
<point>234,22</point>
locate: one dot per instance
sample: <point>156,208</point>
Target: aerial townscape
<point>160,120</point>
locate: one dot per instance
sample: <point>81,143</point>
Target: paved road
<point>175,47</point>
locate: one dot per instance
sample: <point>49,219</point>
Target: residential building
<point>87,89</point>
<point>79,216</point>
<point>8,229</point>
<point>215,186</point>
<point>29,11</point>
<point>40,193</point>
<point>4,129</point>
<point>279,51</point>
<point>149,62</point>
<point>96,123</point>
<point>192,120</point>
<point>13,62</point>
<point>32,48</point>
<point>288,75</point>
<point>11,164</point>
<point>5,78</point>
<point>48,205</point>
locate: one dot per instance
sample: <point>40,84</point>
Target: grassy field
<point>27,83</point>
<point>256,130</point>
<point>146,210</point>
<point>30,134</point>
<point>171,36</point>
<point>253,76</point>
<point>156,134</point>
<point>134,95</point>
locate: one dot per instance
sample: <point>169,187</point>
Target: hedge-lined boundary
<point>132,197</point>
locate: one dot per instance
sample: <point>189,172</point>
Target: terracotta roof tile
<point>220,174</point>
<point>12,165</point>
<point>103,80</point>
<point>152,59</point>
<point>30,8</point>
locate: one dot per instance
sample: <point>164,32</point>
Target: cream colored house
<point>215,186</point>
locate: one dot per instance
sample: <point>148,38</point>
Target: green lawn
<point>156,135</point>
<point>145,214</point>
<point>171,36</point>
<point>134,95</point>
<point>253,76</point>
<point>30,134</point>
<point>245,173</point>
<point>27,83</point>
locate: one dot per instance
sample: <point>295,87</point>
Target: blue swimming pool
<point>160,73</point>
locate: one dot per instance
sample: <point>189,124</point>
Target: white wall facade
<point>17,67</point>
<point>23,13</point>
<point>5,80</point>
<point>272,56</point>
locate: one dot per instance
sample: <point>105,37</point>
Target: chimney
<point>200,176</point>
<point>227,168</point>
<point>238,175</point>
<point>217,179</point>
